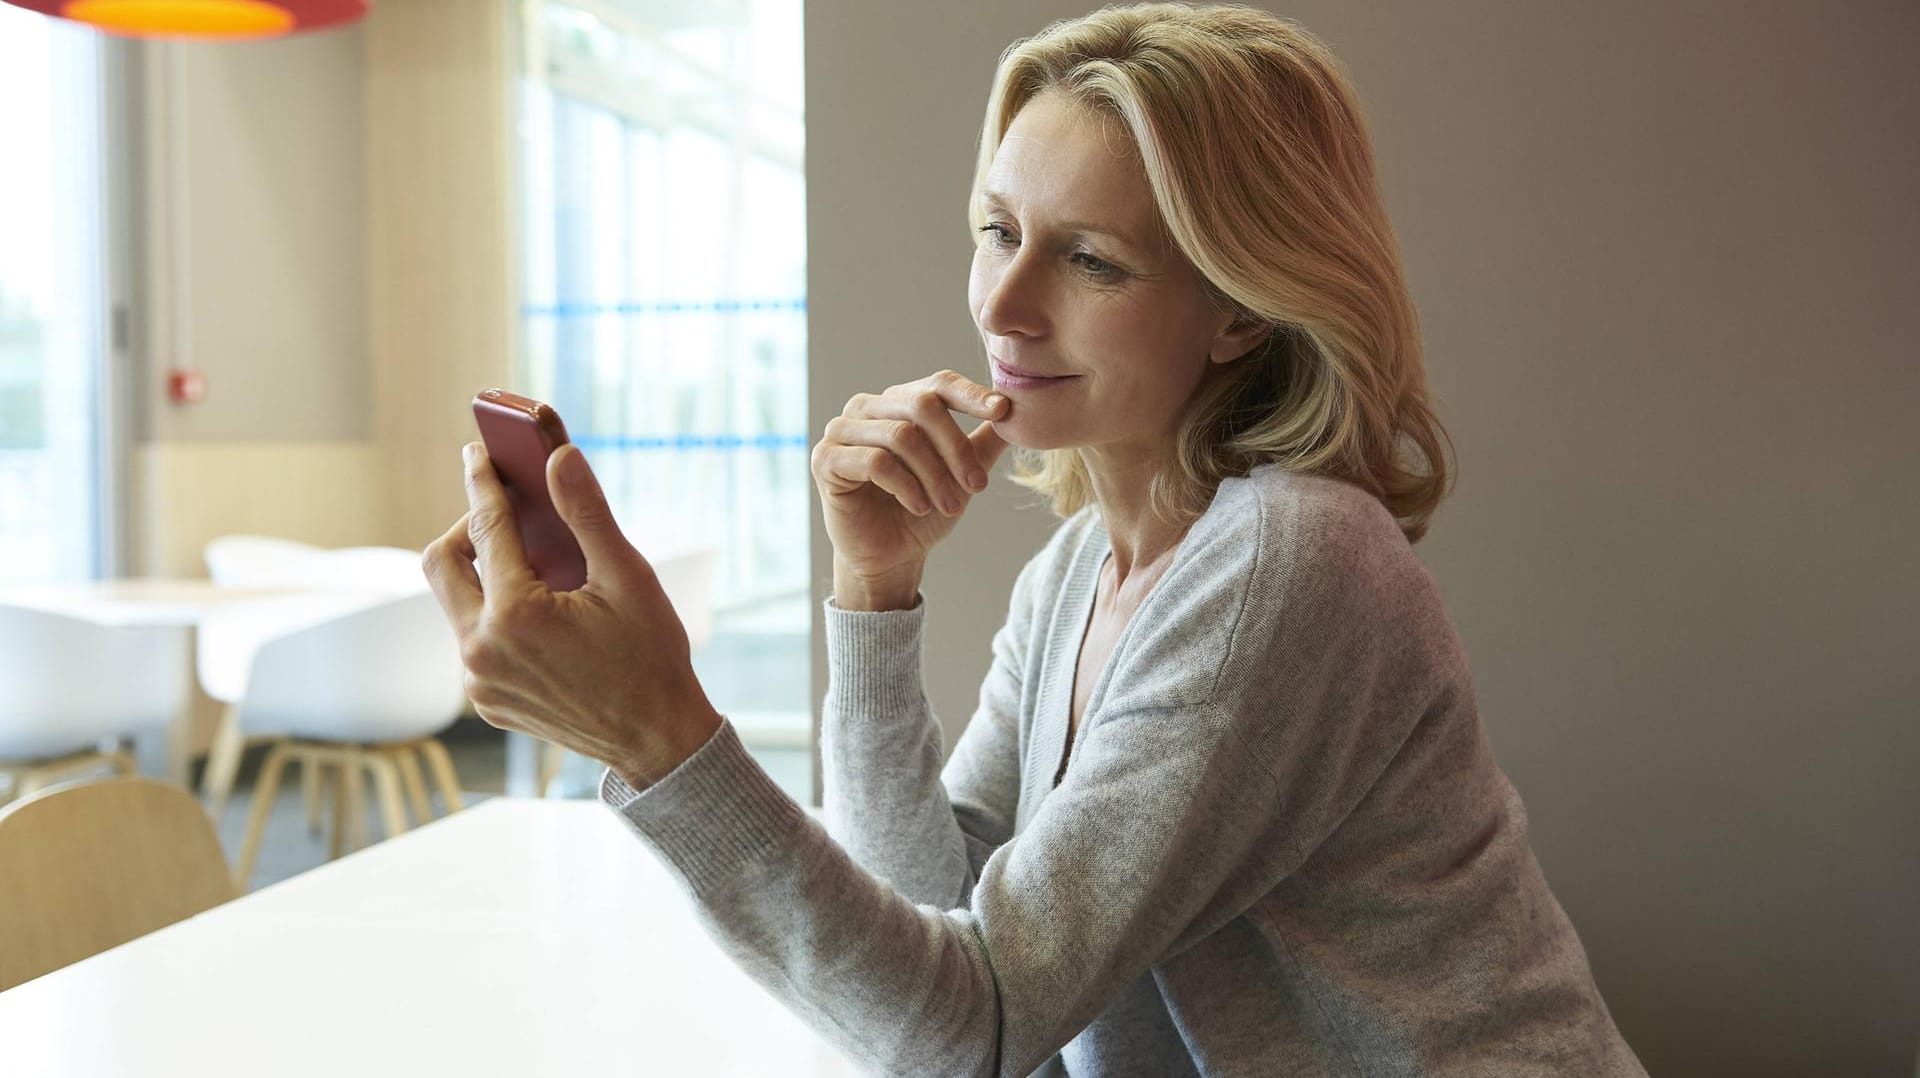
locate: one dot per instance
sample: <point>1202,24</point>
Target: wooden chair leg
<point>416,785</point>
<point>310,779</point>
<point>223,763</point>
<point>337,841</point>
<point>265,792</point>
<point>353,790</point>
<point>30,781</point>
<point>37,777</point>
<point>386,782</point>
<point>442,766</point>
<point>32,778</point>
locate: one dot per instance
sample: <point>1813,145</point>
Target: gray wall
<point>1659,251</point>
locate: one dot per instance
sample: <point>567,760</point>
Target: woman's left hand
<point>602,670</point>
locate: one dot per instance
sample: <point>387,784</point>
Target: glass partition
<point>52,297</point>
<point>664,280</point>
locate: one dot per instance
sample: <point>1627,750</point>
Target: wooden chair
<point>89,866</point>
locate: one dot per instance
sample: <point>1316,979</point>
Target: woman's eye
<point>1096,267</point>
<point>1000,238</point>
<point>997,235</point>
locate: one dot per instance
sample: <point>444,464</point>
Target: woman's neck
<point>1140,538</point>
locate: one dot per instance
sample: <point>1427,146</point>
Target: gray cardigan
<point>1282,845</point>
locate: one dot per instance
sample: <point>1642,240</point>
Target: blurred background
<point>1664,254</point>
<point>250,287</point>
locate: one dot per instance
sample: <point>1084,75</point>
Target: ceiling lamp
<point>225,19</point>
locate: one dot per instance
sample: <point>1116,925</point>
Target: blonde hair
<point>1261,166</point>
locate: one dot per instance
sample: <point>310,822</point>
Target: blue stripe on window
<point>683,442</point>
<point>715,306</point>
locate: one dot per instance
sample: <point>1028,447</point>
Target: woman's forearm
<point>880,756</point>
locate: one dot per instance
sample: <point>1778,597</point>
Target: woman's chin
<point>1028,436</point>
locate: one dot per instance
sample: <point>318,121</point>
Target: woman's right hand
<point>895,472</point>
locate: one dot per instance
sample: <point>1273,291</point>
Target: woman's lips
<point>1014,379</point>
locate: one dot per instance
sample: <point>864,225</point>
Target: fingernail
<point>994,400</point>
<point>573,468</point>
<point>466,453</point>
<point>977,479</point>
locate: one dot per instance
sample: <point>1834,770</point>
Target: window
<point>54,419</point>
<point>664,274</point>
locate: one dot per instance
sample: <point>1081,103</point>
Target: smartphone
<point>520,434</point>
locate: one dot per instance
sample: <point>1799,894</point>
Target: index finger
<point>496,535</point>
<point>963,394</point>
<point>448,563</point>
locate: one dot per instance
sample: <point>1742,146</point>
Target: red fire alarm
<point>186,386</point>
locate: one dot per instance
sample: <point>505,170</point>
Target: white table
<point>134,600</point>
<point>518,938</point>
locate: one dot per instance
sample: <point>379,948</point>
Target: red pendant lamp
<point>221,19</point>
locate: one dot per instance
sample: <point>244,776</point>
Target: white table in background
<point>135,600</point>
<point>518,938</point>
<point>171,608</point>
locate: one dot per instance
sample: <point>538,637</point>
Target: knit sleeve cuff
<point>712,818</point>
<point>873,659</point>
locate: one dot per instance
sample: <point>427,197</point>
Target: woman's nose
<point>1015,301</point>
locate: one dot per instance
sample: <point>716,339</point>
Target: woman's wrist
<point>689,736</point>
<point>896,590</point>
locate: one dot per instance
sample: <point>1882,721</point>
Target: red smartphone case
<point>520,433</point>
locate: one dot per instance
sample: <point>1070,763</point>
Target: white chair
<point>69,686</point>
<point>349,577</point>
<point>256,561</point>
<point>360,690</point>
<point>229,638</point>
<point>687,578</point>
<point>368,568</point>
<point>259,561</point>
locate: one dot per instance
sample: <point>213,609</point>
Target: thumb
<point>583,505</point>
<point>988,443</point>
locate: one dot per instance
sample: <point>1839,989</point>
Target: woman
<point>1225,806</point>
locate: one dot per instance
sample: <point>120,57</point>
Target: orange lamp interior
<point>199,18</point>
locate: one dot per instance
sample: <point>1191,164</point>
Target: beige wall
<point>1663,254</point>
<point>256,211</point>
<point>186,493</point>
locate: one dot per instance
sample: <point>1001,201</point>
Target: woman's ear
<point>1241,336</point>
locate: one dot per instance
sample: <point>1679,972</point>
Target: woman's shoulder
<point>1292,532</point>
<point>1307,515</point>
<point>1284,564</point>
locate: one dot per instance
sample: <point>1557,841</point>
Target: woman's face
<point>1073,278</point>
